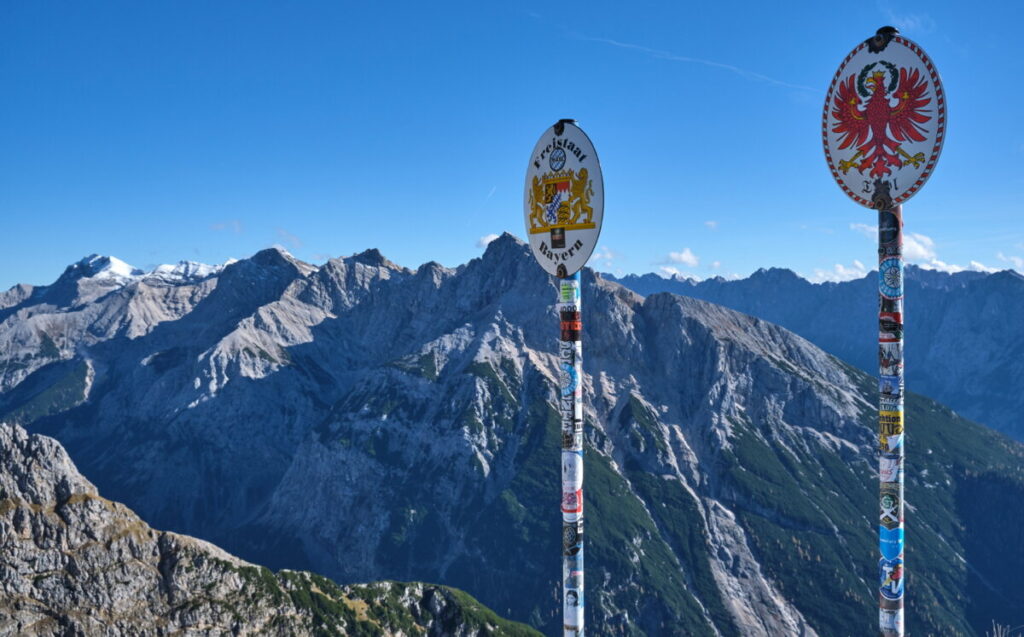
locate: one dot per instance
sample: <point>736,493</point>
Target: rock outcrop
<point>75,563</point>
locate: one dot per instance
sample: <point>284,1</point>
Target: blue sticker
<point>890,542</point>
<point>888,403</point>
<point>890,578</point>
<point>890,386</point>
<point>569,379</point>
<point>574,562</point>
<point>890,278</point>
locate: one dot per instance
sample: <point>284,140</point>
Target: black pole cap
<point>560,125</point>
<point>881,39</point>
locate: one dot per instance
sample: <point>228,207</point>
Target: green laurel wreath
<point>893,77</point>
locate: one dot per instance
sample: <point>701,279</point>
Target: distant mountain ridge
<point>964,343</point>
<point>371,421</point>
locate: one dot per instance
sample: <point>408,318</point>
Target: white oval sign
<point>884,120</point>
<point>563,202</point>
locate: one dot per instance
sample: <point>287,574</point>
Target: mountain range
<point>371,422</point>
<point>963,347</point>
<point>76,563</point>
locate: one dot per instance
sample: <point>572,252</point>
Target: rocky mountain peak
<point>506,247</point>
<point>373,257</point>
<point>94,270</point>
<point>96,265</point>
<point>777,275</point>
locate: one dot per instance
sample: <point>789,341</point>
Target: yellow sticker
<point>890,423</point>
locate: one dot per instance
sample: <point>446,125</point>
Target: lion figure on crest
<point>581,194</point>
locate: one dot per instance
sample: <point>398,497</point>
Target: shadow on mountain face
<point>993,547</point>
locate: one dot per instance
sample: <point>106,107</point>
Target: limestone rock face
<point>75,563</point>
<point>367,421</point>
<point>964,346</point>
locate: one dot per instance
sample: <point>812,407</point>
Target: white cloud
<point>871,232</point>
<point>911,23</point>
<point>234,225</point>
<point>712,224</point>
<point>686,257</point>
<point>665,55</point>
<point>942,266</point>
<point>604,256</point>
<point>669,272</point>
<point>918,247</point>
<point>1017,262</point>
<point>486,239</point>
<point>289,239</point>
<point>716,264</point>
<point>840,272</point>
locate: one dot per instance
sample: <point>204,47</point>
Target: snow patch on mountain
<point>186,271</point>
<point>105,267</point>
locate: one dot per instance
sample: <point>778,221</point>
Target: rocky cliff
<point>964,345</point>
<point>75,563</point>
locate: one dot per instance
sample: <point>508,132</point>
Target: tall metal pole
<point>570,354</point>
<point>892,574</point>
<point>563,207</point>
<point>883,126</point>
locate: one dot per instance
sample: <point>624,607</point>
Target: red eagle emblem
<point>875,125</point>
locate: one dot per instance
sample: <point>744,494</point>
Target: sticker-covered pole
<point>882,128</point>
<point>892,575</point>
<point>570,363</point>
<point>563,206</point>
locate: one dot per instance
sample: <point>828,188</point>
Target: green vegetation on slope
<point>788,507</point>
<point>368,610</point>
<point>61,394</point>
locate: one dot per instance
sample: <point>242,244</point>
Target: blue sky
<point>159,131</point>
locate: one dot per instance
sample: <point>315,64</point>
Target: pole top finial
<point>881,38</point>
<point>560,125</point>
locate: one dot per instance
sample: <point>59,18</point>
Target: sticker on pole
<point>563,201</point>
<point>884,120</point>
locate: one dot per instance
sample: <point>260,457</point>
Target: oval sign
<point>884,119</point>
<point>563,201</point>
